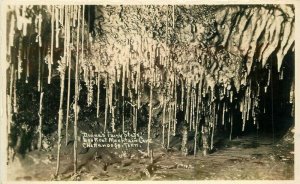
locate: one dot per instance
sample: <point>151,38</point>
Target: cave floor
<point>243,158</point>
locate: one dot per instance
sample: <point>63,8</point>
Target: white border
<point>3,118</point>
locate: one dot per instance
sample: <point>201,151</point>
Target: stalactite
<point>76,109</point>
<point>9,123</point>
<point>136,119</point>
<point>50,61</point>
<point>182,95</point>
<point>223,113</point>
<point>163,121</point>
<point>169,126</point>
<point>253,110</point>
<point>175,106</point>
<point>245,106</point>
<point>90,84</point>
<point>213,125</point>
<point>11,84</point>
<point>106,103</point>
<point>113,119</point>
<point>20,69</point>
<point>123,114</point>
<point>269,79</point>
<point>190,115</point>
<point>98,93</point>
<point>40,19</point>
<point>193,106</point>
<point>25,21</point>
<point>110,95</point>
<point>15,92</point>
<point>39,70</point>
<point>69,64</point>
<point>198,95</point>
<point>123,95</point>
<point>11,33</point>
<point>123,78</point>
<point>27,63</point>
<point>188,106</point>
<point>173,9</point>
<point>150,118</point>
<point>10,98</point>
<point>56,15</point>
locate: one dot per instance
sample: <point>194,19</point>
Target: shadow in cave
<point>275,115</point>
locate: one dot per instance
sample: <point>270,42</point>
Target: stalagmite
<point>184,148</point>
<point>61,69</point>
<point>40,119</point>
<point>195,139</point>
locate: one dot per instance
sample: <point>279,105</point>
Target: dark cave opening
<point>276,113</point>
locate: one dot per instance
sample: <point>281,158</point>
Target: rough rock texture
<point>172,65</point>
<point>256,32</point>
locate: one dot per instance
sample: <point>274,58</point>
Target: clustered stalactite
<point>143,67</point>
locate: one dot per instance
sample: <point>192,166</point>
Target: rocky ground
<point>244,158</point>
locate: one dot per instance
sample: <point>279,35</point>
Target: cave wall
<point>208,68</point>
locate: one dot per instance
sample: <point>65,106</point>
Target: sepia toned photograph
<point>123,92</point>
